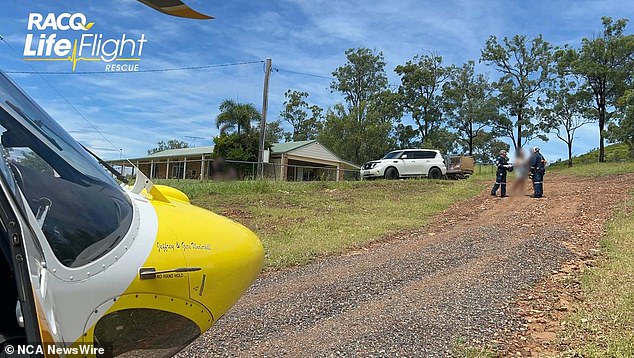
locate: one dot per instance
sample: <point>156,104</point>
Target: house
<point>292,161</point>
<point>308,160</point>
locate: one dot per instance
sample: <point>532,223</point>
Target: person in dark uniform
<point>538,168</point>
<point>503,166</point>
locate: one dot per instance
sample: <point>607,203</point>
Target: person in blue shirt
<point>537,170</point>
<point>503,166</point>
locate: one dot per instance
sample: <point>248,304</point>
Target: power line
<point>74,108</point>
<point>279,69</point>
<point>41,73</point>
<point>187,68</point>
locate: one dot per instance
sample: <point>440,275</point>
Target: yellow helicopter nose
<point>223,257</point>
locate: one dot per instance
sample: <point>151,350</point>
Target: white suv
<point>406,163</point>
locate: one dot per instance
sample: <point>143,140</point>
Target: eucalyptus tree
<point>170,144</point>
<point>422,79</point>
<point>622,129</point>
<point>525,67</point>
<point>606,62</point>
<point>565,107</point>
<point>359,129</point>
<point>304,118</point>
<point>469,105</point>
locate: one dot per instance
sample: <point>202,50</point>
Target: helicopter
<point>90,261</point>
<point>175,8</point>
<point>86,260</point>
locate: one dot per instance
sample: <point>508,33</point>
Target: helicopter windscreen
<point>79,206</point>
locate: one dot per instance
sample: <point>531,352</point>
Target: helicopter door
<point>24,275</point>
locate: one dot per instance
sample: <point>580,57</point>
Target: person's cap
<point>535,149</point>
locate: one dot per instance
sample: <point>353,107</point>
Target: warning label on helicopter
<point>182,245</point>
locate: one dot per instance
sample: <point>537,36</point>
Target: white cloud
<point>134,111</point>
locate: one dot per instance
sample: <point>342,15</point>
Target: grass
<point>298,221</point>
<point>618,152</point>
<point>603,326</point>
<point>596,169</point>
<point>617,161</point>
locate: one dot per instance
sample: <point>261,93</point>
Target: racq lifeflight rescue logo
<point>67,37</point>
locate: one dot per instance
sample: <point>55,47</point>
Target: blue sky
<point>136,110</point>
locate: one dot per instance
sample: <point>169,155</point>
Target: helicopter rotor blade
<point>175,8</point>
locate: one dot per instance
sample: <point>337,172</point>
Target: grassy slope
<point>613,153</point>
<point>596,169</point>
<point>617,162</point>
<point>603,326</point>
<point>300,221</point>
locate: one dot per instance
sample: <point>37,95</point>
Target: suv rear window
<point>424,154</point>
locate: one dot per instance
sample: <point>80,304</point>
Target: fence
<point>210,169</point>
<point>484,169</point>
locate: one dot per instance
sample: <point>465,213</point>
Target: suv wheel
<point>391,173</point>
<point>434,173</point>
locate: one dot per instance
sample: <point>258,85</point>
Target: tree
<point>469,105</point>
<point>525,67</point>
<point>606,64</point>
<point>274,132</point>
<point>234,146</point>
<point>421,81</point>
<point>442,139</point>
<point>170,144</point>
<point>238,116</point>
<point>623,129</point>
<point>406,136</point>
<point>352,141</point>
<point>360,130</point>
<point>565,109</point>
<point>360,79</point>
<point>488,147</point>
<point>305,119</point>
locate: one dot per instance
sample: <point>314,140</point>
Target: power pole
<point>265,106</point>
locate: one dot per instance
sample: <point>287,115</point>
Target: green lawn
<point>603,326</point>
<point>298,221</point>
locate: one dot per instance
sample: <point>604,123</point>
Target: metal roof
<point>276,148</point>
<point>279,148</point>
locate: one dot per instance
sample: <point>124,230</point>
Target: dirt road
<point>424,292</point>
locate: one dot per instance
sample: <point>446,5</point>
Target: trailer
<point>459,166</point>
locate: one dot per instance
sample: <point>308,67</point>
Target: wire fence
<point>484,169</point>
<point>211,169</point>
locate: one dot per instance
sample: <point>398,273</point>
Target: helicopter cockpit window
<point>80,208</point>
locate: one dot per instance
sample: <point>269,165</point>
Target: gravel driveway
<point>420,293</point>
